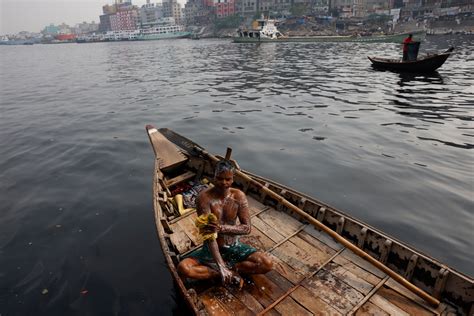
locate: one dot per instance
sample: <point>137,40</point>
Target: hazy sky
<point>34,15</point>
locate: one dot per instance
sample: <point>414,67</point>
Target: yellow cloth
<point>201,223</point>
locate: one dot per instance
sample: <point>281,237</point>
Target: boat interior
<point>313,274</point>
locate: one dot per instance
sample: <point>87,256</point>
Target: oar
<point>430,299</point>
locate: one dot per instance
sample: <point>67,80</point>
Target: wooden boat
<point>325,261</point>
<point>428,63</point>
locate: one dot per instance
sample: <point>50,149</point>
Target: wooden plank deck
<point>312,275</point>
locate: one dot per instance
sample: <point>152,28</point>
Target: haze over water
<point>76,168</point>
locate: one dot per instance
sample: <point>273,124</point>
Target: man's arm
<point>243,214</point>
<point>203,207</point>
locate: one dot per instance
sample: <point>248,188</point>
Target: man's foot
<point>237,281</point>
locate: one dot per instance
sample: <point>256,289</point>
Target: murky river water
<point>77,231</point>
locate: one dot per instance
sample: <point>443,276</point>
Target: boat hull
<point>154,37</point>
<point>426,64</point>
<point>397,38</point>
<point>17,42</point>
<point>313,273</point>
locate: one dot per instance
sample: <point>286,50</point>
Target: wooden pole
<point>413,288</point>
<point>228,153</point>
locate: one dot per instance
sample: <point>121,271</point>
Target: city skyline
<point>33,16</point>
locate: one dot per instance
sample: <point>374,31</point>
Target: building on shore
<point>224,8</point>
<point>171,8</point>
<point>247,8</point>
<point>121,15</point>
<point>151,14</point>
<point>198,12</point>
<point>85,28</point>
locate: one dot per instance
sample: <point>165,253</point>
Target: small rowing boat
<point>325,261</point>
<point>427,63</point>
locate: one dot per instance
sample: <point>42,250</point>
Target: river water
<point>77,232</point>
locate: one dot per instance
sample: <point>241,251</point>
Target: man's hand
<point>226,276</point>
<point>211,228</point>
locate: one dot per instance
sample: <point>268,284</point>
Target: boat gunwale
<point>158,214</point>
<point>406,245</point>
<point>408,62</point>
<point>168,250</point>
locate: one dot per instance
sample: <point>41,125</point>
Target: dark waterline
<point>76,167</point>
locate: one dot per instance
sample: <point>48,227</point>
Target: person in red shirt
<point>407,40</point>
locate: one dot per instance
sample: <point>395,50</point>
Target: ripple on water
<point>392,149</point>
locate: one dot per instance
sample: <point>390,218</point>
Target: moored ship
<point>4,40</point>
<point>163,32</point>
<point>153,33</point>
<point>265,30</point>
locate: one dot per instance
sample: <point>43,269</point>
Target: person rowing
<point>406,42</point>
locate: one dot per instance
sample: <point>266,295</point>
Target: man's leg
<point>257,263</point>
<point>193,269</point>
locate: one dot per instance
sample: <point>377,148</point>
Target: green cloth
<point>231,255</point>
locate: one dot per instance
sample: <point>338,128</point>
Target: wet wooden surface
<point>169,155</point>
<point>312,275</point>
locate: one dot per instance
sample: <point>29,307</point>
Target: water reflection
<point>79,197</point>
<point>432,77</point>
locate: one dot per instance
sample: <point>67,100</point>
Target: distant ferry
<point>4,40</point>
<point>153,33</point>
<point>163,32</point>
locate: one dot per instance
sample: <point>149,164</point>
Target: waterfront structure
<point>122,15</point>
<point>104,24</point>
<point>84,28</point>
<point>377,6</point>
<point>51,30</point>
<point>224,8</point>
<point>247,8</point>
<point>410,9</point>
<point>124,19</point>
<point>344,8</point>
<point>151,14</point>
<point>108,11</point>
<point>276,6</point>
<point>171,8</point>
<point>321,7</point>
<point>198,12</point>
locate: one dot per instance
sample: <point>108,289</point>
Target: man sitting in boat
<point>222,254</point>
<point>406,41</point>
